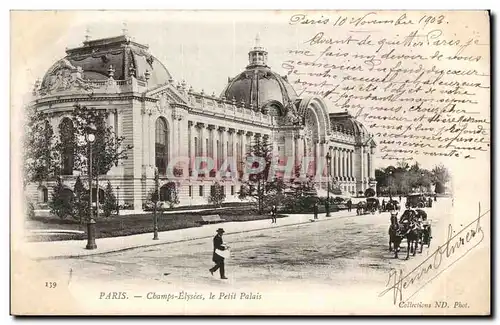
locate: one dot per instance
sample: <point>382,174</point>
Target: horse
<point>360,208</point>
<point>409,230</point>
<point>394,236</point>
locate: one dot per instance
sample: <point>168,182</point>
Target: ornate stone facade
<point>119,75</point>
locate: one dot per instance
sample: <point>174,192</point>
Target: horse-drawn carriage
<point>414,226</point>
<point>391,205</point>
<point>371,205</point>
<point>418,200</point>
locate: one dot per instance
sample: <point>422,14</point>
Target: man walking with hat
<point>216,258</point>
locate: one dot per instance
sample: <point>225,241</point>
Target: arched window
<point>161,145</point>
<point>67,136</point>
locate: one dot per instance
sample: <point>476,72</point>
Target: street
<point>332,253</point>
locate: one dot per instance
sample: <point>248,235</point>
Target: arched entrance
<point>316,126</point>
<point>161,145</point>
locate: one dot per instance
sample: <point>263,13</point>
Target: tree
<point>370,192</point>
<point>61,204</point>
<point>81,201</point>
<point>172,197</point>
<point>439,188</point>
<point>109,201</point>
<point>217,195</point>
<point>107,150</point>
<point>41,159</point>
<point>440,176</point>
<point>255,186</point>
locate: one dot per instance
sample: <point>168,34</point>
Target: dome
<point>98,59</point>
<point>346,123</point>
<point>258,85</point>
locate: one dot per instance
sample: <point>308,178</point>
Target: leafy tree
<point>440,176</point>
<point>370,192</point>
<point>109,204</point>
<point>172,197</point>
<point>30,211</point>
<point>41,159</point>
<point>61,204</point>
<point>107,148</point>
<point>254,187</point>
<point>81,201</point>
<point>439,188</point>
<point>217,195</point>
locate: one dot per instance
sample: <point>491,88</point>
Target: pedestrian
<point>349,205</point>
<point>383,204</point>
<point>400,199</point>
<point>274,211</point>
<point>316,210</point>
<point>435,198</point>
<point>216,258</point>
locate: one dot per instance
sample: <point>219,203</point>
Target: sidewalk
<point>76,248</point>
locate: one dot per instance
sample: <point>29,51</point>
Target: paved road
<point>335,252</point>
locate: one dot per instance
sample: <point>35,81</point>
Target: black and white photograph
<point>250,163</point>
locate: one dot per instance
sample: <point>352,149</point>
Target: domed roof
<point>258,85</point>
<point>346,123</point>
<point>118,56</point>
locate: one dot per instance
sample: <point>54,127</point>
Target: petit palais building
<point>163,120</point>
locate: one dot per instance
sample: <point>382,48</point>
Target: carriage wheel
<point>421,205</point>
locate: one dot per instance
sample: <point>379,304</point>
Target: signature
<point>467,237</point>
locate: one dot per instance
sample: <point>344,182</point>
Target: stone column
<point>213,135</point>
<point>192,135</point>
<point>241,149</point>
<point>150,156</point>
<point>300,149</point>
<point>293,150</point>
<point>367,159</point>
<point>173,138</point>
<point>372,165</point>
<point>223,147</point>
<point>202,140</point>
<point>146,128</point>
<point>362,167</point>
<point>231,145</point>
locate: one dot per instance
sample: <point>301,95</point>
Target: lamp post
<point>90,221</point>
<point>328,162</point>
<point>118,200</point>
<point>156,198</point>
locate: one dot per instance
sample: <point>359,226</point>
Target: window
<point>67,138</point>
<point>212,189</point>
<point>190,191</point>
<point>44,194</point>
<point>201,190</point>
<point>232,189</point>
<point>164,193</point>
<point>161,142</point>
